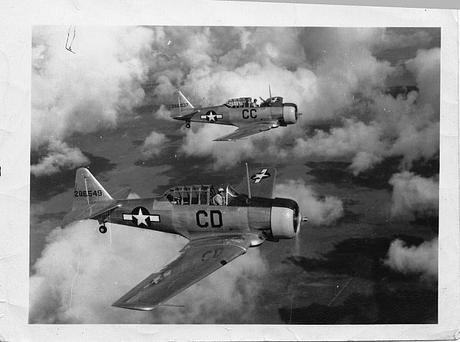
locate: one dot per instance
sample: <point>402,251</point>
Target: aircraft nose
<point>291,108</point>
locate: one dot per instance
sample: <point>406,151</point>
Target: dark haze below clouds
<point>358,130</point>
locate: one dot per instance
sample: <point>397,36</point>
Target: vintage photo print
<point>323,143</point>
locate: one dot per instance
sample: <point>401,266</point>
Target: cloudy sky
<point>362,162</point>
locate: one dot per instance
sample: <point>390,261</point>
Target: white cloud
<point>91,89</point>
<point>342,142</point>
<point>426,67</point>
<point>318,211</point>
<point>422,259</point>
<point>153,144</point>
<point>163,113</point>
<point>60,156</point>
<point>363,161</point>
<point>413,194</point>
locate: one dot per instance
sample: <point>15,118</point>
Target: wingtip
<point>122,305</point>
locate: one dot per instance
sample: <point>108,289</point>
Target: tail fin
<point>90,199</point>
<point>183,105</point>
<point>260,181</point>
<point>182,99</point>
<point>87,190</point>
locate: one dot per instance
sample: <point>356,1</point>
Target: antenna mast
<point>247,177</point>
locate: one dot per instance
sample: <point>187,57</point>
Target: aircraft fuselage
<point>195,220</point>
<point>224,115</point>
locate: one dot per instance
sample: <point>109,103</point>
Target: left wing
<point>245,131</point>
<point>197,260</point>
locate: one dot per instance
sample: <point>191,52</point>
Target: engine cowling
<point>289,114</point>
<point>284,218</point>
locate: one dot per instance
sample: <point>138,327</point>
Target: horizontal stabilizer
<point>185,117</point>
<point>92,212</point>
<point>122,194</point>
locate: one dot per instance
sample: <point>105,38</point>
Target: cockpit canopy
<point>246,102</point>
<point>240,102</point>
<point>190,194</point>
<point>198,195</point>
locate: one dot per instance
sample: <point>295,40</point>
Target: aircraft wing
<point>198,259</point>
<point>245,131</point>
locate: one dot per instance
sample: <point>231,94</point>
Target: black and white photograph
<point>234,175</point>
<point>228,170</point>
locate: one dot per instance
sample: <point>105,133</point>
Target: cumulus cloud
<point>163,113</point>
<point>378,125</point>
<point>342,142</point>
<point>318,211</point>
<point>91,89</point>
<point>414,195</point>
<point>363,161</point>
<point>426,68</point>
<point>422,259</point>
<point>82,272</point>
<point>153,144</point>
<point>60,156</point>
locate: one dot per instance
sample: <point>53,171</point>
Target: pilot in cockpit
<point>219,198</point>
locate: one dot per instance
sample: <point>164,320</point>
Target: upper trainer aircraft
<point>244,113</point>
<point>220,226</point>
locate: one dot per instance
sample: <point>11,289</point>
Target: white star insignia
<point>141,218</point>
<point>211,117</point>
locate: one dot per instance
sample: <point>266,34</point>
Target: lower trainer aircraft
<point>244,113</point>
<point>217,234</point>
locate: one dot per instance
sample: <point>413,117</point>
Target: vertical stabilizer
<point>88,190</point>
<point>261,181</point>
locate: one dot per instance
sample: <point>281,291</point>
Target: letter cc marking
<point>249,113</point>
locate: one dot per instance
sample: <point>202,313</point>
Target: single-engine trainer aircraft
<point>244,113</point>
<point>220,226</point>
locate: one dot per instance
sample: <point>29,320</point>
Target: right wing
<point>197,260</point>
<point>245,131</point>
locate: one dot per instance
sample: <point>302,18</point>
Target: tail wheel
<point>102,229</point>
<point>187,125</point>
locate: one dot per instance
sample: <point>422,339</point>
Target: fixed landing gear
<point>187,125</point>
<point>102,228</point>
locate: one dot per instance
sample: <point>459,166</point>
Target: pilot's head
<point>221,190</point>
